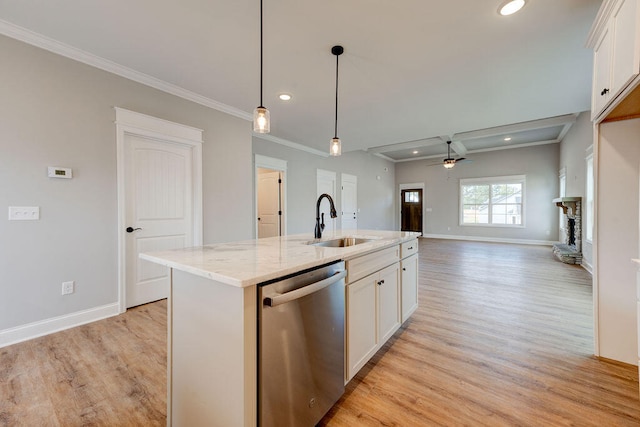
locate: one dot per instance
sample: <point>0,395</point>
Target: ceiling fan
<point>449,162</point>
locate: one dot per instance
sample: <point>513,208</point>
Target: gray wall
<point>539,164</point>
<point>375,197</point>
<point>58,112</point>
<point>573,153</point>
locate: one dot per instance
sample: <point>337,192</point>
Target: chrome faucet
<point>332,212</point>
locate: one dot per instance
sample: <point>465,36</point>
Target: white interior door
<point>349,202</point>
<point>159,207</point>
<point>326,183</point>
<point>269,209</point>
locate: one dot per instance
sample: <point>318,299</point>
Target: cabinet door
<point>388,287</point>
<point>409,286</point>
<point>626,44</point>
<point>601,73</point>
<point>361,324</point>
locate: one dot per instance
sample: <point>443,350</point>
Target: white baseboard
<point>587,266</point>
<point>55,324</point>
<point>490,239</point>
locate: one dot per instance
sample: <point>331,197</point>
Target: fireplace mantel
<point>567,204</point>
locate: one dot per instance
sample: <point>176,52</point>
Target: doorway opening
<point>270,196</point>
<point>411,207</point>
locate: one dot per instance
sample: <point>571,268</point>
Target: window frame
<point>588,208</point>
<point>496,180</point>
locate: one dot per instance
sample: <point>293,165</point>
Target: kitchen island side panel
<point>213,372</point>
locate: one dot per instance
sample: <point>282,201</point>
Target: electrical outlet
<point>67,287</point>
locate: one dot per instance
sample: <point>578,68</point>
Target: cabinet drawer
<point>409,248</point>
<point>362,266</point>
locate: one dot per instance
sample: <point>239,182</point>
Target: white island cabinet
<point>382,292</point>
<point>212,319</point>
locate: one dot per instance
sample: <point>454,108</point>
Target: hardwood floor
<point>503,336</point>
<point>107,373</point>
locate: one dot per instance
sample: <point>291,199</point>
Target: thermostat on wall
<point>56,172</point>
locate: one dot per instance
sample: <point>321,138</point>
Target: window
<point>492,201</point>
<point>588,230</point>
<point>412,197</point>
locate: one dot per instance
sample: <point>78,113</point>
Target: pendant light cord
<point>261,106</point>
<point>336,122</point>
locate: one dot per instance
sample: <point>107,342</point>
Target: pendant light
<point>261,119</point>
<point>335,148</point>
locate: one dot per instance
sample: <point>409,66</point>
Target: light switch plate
<point>24,213</point>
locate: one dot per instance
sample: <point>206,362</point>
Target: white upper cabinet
<point>601,73</point>
<point>615,38</point>
<point>626,44</point>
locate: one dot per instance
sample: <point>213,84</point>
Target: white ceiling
<point>413,71</point>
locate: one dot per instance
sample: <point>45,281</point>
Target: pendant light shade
<point>261,120</point>
<point>335,148</point>
<point>261,117</point>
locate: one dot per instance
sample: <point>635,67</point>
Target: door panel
<point>159,201</point>
<point>349,202</point>
<point>269,204</point>
<point>388,288</point>
<point>411,210</point>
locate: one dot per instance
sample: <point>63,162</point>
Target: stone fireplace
<point>569,250</point>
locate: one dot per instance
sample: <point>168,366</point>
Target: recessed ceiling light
<point>415,151</point>
<point>508,138</point>
<point>284,96</point>
<point>510,7</point>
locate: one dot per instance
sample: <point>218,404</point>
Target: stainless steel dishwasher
<point>301,346</point>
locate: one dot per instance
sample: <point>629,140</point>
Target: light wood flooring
<point>503,336</point>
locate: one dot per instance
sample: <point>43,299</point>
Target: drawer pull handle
<point>381,282</point>
<point>410,247</point>
<point>604,91</point>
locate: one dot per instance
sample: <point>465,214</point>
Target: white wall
<point>539,164</point>
<point>375,196</point>
<point>573,154</point>
<point>58,112</point>
<point>618,157</point>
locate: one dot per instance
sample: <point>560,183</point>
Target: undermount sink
<point>340,243</point>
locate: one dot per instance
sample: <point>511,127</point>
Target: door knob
<point>131,229</point>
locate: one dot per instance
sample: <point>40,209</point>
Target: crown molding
<point>599,23</point>
<point>35,39</point>
<point>290,144</point>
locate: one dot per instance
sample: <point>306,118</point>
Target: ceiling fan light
<point>335,147</point>
<point>449,163</point>
<point>511,7</point>
<point>261,120</point>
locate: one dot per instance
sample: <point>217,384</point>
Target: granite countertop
<point>249,262</point>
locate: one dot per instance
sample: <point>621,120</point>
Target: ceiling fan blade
<point>463,160</point>
<point>460,159</point>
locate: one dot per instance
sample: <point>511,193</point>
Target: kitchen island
<point>212,319</point>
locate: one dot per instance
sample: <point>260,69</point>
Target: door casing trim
<point>411,186</point>
<point>272,163</point>
<point>138,124</point>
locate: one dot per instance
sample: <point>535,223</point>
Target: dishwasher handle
<point>279,299</point>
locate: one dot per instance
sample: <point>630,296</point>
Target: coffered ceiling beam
<point>405,145</point>
<point>517,127</point>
